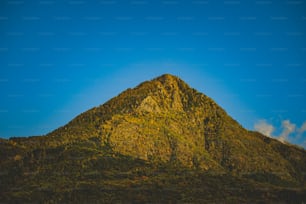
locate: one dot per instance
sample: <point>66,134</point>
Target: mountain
<point>161,141</point>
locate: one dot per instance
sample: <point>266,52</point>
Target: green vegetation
<point>159,142</point>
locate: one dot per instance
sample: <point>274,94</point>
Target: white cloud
<point>302,129</point>
<point>288,128</point>
<point>264,127</point>
<point>289,131</point>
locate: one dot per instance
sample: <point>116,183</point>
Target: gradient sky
<point>60,58</point>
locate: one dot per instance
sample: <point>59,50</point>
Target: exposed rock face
<point>149,105</point>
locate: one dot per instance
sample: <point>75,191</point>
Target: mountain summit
<point>160,124</point>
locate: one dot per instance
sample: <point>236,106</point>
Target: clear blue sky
<point>59,58</point>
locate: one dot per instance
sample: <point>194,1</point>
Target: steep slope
<point>160,125</point>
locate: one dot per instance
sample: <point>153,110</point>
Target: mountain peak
<point>168,79</point>
<point>167,91</point>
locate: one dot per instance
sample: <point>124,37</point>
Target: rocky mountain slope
<point>161,134</point>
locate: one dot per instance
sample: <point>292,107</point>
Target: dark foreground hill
<point>159,142</point>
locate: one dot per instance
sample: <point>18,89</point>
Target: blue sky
<point>60,58</point>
